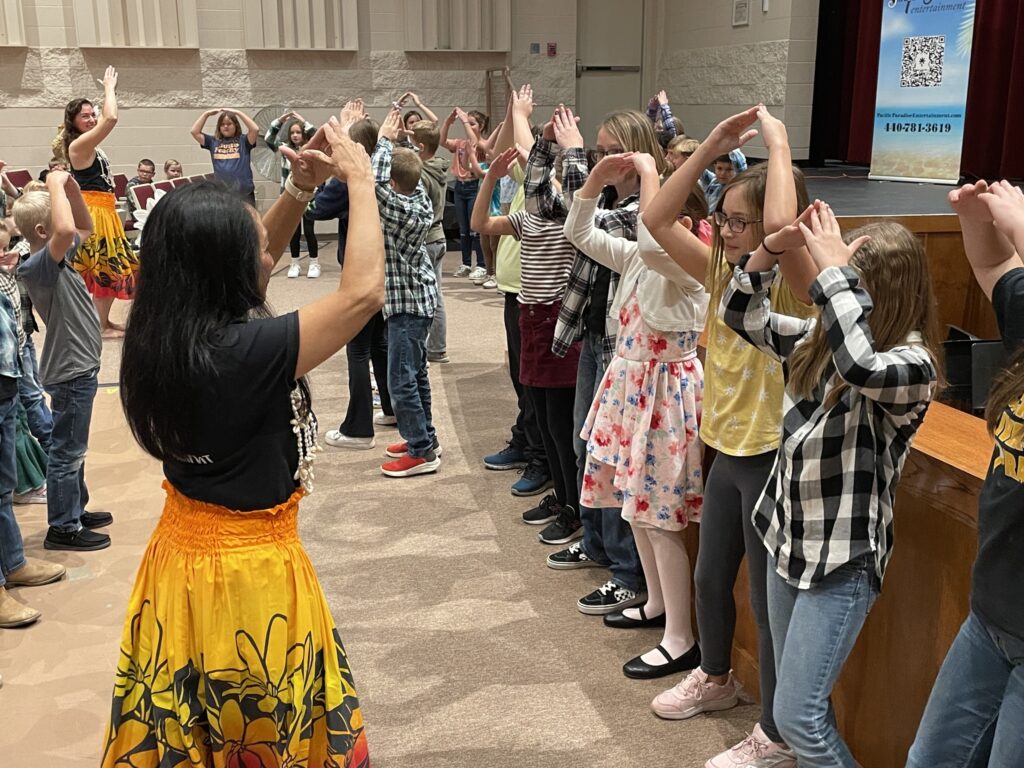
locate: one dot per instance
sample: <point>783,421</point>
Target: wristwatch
<point>299,194</point>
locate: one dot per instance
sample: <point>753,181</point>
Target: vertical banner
<point>923,63</point>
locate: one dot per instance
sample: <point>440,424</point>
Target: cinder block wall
<point>162,91</point>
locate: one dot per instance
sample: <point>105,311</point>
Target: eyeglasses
<point>734,223</point>
<point>594,155</point>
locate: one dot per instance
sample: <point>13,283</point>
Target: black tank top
<point>95,178</point>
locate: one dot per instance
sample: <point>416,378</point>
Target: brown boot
<point>14,614</point>
<point>34,573</point>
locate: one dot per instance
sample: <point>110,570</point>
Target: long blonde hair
<point>1007,389</point>
<point>893,269</point>
<point>636,134</point>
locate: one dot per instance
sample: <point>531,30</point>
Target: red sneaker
<point>407,465</point>
<point>398,450</point>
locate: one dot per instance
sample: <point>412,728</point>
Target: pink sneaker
<point>695,694</point>
<point>755,751</point>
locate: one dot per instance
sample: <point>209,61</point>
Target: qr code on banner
<point>922,61</point>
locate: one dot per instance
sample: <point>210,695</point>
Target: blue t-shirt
<point>231,160</point>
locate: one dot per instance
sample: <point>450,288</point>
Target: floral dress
<point>643,454</point>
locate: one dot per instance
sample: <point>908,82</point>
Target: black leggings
<point>308,228</point>
<point>554,417</point>
<point>727,533</point>
<point>371,343</point>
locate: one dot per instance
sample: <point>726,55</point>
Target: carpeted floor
<point>467,650</point>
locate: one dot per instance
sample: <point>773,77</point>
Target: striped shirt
<point>546,255</point>
<point>410,287</point>
<point>620,221</point>
<point>830,496</point>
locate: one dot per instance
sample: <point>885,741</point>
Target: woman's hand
<point>340,157</point>
<point>109,81</point>
<point>825,241</point>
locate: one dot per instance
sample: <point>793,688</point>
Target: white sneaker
<point>314,270</point>
<point>35,496</point>
<point>338,440</point>
<point>490,282</point>
<point>383,420</point>
<point>294,269</point>
<point>478,275</point>
<point>462,271</point>
<point>756,750</point>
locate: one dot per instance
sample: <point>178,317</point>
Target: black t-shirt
<point>243,454</point>
<point>998,591</point>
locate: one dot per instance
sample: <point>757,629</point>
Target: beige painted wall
<point>712,69</point>
<point>709,68</point>
<point>161,92</point>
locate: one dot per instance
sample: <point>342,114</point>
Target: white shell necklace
<point>304,426</point>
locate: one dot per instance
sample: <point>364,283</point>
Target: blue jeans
<point>465,197</point>
<point>408,382</point>
<point>40,420</point>
<point>437,340</point>
<point>607,538</point>
<point>975,715</point>
<point>66,494</point>
<point>813,631</point>
<point>12,549</point>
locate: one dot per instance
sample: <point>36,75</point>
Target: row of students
<point>811,337</point>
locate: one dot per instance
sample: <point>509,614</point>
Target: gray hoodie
<point>435,179</point>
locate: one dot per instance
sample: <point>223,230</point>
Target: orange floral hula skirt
<point>229,656</point>
<point>106,260</point>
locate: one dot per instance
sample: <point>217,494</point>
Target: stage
<point>849,191</point>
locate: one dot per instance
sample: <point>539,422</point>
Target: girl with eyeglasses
<point>741,418</point>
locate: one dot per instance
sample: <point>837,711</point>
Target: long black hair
<point>199,270</point>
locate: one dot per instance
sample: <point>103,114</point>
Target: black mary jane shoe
<point>638,669</point>
<point>619,620</point>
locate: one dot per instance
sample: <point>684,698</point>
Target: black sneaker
<point>609,598</point>
<point>544,512</point>
<point>82,540</point>
<point>566,527</point>
<point>573,557</point>
<point>95,519</point>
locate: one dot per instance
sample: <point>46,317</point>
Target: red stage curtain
<point>860,75</point>
<point>995,108</point>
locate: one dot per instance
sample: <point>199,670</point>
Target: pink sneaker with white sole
<point>755,751</point>
<point>695,694</point>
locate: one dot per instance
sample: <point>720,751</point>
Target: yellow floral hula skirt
<point>229,656</point>
<point>106,261</point>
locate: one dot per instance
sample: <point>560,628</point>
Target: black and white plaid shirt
<point>410,286</point>
<point>543,199</point>
<point>830,496</point>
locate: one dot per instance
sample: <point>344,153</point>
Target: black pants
<point>308,228</point>
<point>371,343</point>
<point>526,431</point>
<point>554,416</point>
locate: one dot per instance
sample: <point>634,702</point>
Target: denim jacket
<point>10,359</point>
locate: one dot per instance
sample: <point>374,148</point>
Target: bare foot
<point>111,333</point>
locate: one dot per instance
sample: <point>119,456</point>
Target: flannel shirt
<point>830,496</point>
<point>10,343</point>
<point>653,111</point>
<point>543,199</point>
<point>410,286</point>
<point>9,288</point>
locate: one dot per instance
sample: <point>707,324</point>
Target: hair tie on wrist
<point>764,244</point>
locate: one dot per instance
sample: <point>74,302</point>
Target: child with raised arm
<point>230,148</point>
<point>410,290</point>
<point>298,131</point>
<point>466,185</point>
<point>861,374</point>
<point>975,715</point>
<point>55,224</point>
<point>643,454</point>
